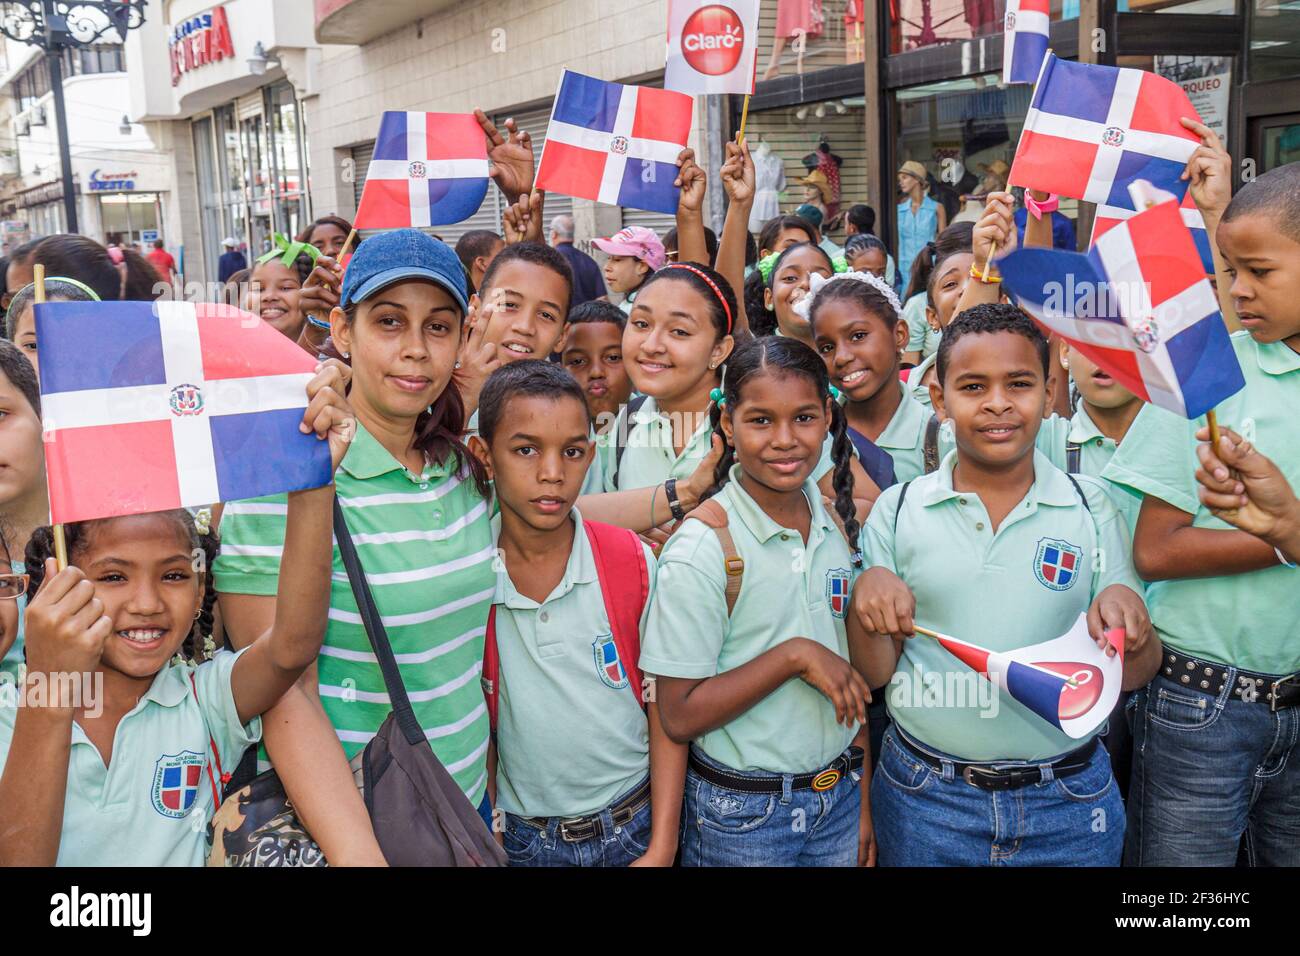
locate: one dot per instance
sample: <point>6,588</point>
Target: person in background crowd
<point>232,260</point>
<point>476,250</point>
<point>993,181</point>
<point>106,271</point>
<point>710,243</point>
<point>140,282</point>
<point>232,293</point>
<point>814,216</point>
<point>782,232</point>
<point>24,501</point>
<point>635,253</point>
<point>866,253</point>
<point>274,291</point>
<point>920,218</point>
<point>1063,236</point>
<point>327,234</point>
<point>860,220</point>
<point>18,271</point>
<point>587,281</point>
<point>20,320</point>
<point>162,262</point>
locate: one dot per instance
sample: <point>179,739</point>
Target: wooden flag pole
<point>60,542</point>
<point>347,243</point>
<point>1212,420</point>
<point>744,117</point>
<point>993,251</point>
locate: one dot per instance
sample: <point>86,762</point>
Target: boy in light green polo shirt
<point>1217,730</point>
<point>967,551</point>
<point>578,759</point>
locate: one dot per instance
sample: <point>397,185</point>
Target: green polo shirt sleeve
<point>917,325</point>
<point>687,620</point>
<point>252,543</point>
<point>1114,555</point>
<point>1158,458</point>
<point>876,540</point>
<point>216,697</point>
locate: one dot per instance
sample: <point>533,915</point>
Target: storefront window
<point>802,36</point>
<point>258,172</point>
<point>127,216</point>
<point>288,156</point>
<point>1281,144</point>
<point>210,206</point>
<point>1275,40</point>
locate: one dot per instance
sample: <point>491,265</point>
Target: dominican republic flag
<point>1108,217</point>
<point>428,169</point>
<point>1068,681</point>
<point>615,144</point>
<point>150,406</point>
<point>1025,42</point>
<point>1138,304</point>
<point>1093,130</point>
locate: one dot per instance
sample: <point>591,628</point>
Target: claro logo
<point>713,39</point>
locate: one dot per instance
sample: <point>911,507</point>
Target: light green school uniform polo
<point>914,379</point>
<point>994,589</point>
<point>920,337</point>
<point>593,483</point>
<point>789,590</point>
<point>425,542</point>
<point>571,736</point>
<point>1095,452</point>
<point>12,662</point>
<point>904,437</point>
<point>151,805</point>
<point>1247,620</point>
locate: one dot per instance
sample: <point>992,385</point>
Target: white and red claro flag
<point>150,406</point>
<point>1068,681</point>
<point>712,47</point>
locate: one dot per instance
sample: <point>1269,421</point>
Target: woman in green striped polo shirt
<point>416,505</point>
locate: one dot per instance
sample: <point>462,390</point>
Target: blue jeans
<point>929,817</point>
<point>527,844</point>
<point>723,827</point>
<point>1208,769</point>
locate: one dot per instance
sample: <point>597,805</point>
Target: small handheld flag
<point>1068,681</point>
<point>428,169</point>
<point>1092,130</point>
<point>152,406</point>
<point>1024,43</point>
<point>1138,304</point>
<point>615,144</point>
<point>1145,195</point>
<point>712,47</point>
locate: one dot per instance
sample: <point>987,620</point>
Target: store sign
<point>112,182</point>
<point>1207,80</point>
<point>200,40</point>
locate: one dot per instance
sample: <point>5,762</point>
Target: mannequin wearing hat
<point>817,191</point>
<point>920,218</point>
<point>993,180</point>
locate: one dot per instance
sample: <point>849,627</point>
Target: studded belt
<point>1277,693</point>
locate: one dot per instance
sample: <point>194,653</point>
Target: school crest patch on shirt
<point>1056,563</point>
<point>608,664</point>
<point>176,783</point>
<point>837,591</point>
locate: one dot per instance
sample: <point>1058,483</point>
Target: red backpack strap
<point>491,679</point>
<point>625,586</point>
<point>216,757</point>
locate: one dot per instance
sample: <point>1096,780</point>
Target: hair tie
<point>817,282</point>
<point>203,520</point>
<point>115,255</point>
<point>726,309</point>
<point>835,392</point>
<point>288,252</point>
<point>717,397</point>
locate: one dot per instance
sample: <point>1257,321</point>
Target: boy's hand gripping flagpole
<point>60,543</point>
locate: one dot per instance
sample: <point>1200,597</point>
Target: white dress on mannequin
<point>769,180</point>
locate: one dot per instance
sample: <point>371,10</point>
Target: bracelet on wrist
<point>988,278</point>
<point>1282,559</point>
<point>317,323</point>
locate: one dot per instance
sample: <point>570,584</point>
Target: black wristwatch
<point>675,506</point>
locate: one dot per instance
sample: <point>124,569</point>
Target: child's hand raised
<point>1120,606</point>
<point>478,357</point>
<point>328,413</point>
<point>692,180</point>
<point>995,233</point>
<point>884,604</point>
<point>836,678</point>
<point>320,293</point>
<point>737,173</point>
<point>512,157</point>
<point>522,221</point>
<point>66,626</point>
<point>1209,171</point>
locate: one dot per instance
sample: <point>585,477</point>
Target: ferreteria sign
<point>101,182</point>
<point>198,41</point>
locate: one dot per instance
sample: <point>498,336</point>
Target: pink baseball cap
<point>636,241</point>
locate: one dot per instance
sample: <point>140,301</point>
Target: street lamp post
<point>58,25</point>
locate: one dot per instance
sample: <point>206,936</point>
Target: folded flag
<point>1092,130</point>
<point>1068,681</point>
<point>1024,44</point>
<point>1144,195</point>
<point>1138,304</point>
<point>615,144</point>
<point>152,406</point>
<point>428,169</point>
<point>712,47</point>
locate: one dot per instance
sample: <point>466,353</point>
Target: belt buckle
<point>1272,704</point>
<point>826,779</point>
<point>969,775</point>
<point>571,836</point>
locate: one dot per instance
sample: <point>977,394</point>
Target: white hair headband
<point>803,308</point>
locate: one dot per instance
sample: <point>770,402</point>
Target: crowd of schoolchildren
<point>694,534</point>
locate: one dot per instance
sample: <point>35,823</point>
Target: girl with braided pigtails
<point>118,753</point>
<point>746,633</point>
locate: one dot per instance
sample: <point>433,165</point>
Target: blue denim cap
<point>402,254</point>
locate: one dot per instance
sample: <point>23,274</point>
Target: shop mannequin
<point>769,177</point>
<point>796,20</point>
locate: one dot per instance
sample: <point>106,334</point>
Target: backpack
<point>624,584</point>
<point>633,407</point>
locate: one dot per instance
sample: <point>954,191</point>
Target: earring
<point>712,366</point>
<point>347,355</point>
<point>1065,363</point>
<point>198,613</point>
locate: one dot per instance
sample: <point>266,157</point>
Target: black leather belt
<point>578,829</point>
<point>988,776</point>
<point>1278,693</point>
<point>841,766</point>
